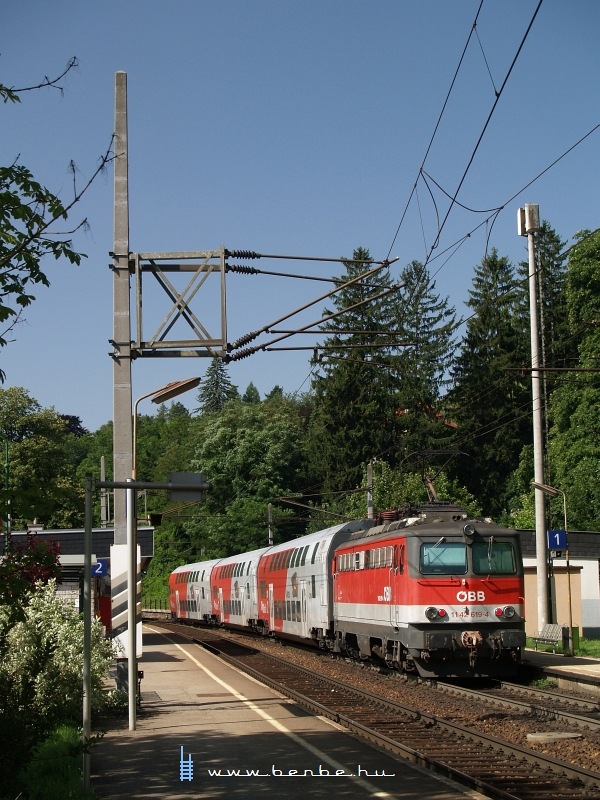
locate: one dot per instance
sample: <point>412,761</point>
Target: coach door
<point>221,614</point>
<point>271,608</point>
<point>303,609</point>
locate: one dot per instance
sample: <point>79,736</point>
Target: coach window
<point>314,553</point>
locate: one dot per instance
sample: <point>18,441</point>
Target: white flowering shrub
<point>41,672</point>
<point>43,658</point>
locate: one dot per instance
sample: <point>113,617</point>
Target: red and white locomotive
<point>432,592</point>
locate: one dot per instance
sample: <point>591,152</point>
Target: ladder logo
<point>186,767</point>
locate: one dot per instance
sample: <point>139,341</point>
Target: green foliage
<point>27,211</point>
<point>385,364</point>
<point>393,488</point>
<point>252,456</point>
<point>574,446</point>
<point>251,395</point>
<point>54,771</point>
<point>216,389</point>
<point>21,568</point>
<point>41,664</point>
<point>353,415</point>
<point>490,402</point>
<point>41,462</point>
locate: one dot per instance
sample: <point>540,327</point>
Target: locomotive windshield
<point>451,558</point>
<point>443,558</point>
<point>494,558</point>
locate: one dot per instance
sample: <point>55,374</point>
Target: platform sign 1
<point>557,540</point>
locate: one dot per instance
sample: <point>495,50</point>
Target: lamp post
<point>7,544</point>
<point>173,389</point>
<point>552,491</point>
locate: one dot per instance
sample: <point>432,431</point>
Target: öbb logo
<point>471,597</point>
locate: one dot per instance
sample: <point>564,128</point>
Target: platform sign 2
<point>100,568</point>
<point>557,540</point>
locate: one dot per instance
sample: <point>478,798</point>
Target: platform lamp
<point>552,491</point>
<point>168,392</point>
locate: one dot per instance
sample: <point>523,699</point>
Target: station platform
<point>205,730</point>
<point>571,672</point>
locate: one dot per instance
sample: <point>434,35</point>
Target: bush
<point>55,769</point>
<point>41,666</point>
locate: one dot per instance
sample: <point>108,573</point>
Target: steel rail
<point>541,711</point>
<point>452,738</point>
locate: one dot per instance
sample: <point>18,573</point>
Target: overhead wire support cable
<point>248,351</point>
<point>342,346</point>
<point>243,340</point>
<point>251,254</point>
<point>340,331</point>
<point>242,269</point>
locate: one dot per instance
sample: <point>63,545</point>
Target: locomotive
<point>429,591</point>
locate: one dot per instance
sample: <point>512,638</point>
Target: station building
<point>71,558</point>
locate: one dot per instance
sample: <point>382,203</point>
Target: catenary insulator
<point>242,254</point>
<point>242,269</point>
<point>243,340</point>
<point>248,351</point>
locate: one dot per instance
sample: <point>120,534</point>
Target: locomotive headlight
<point>469,530</point>
<point>507,612</point>
<point>435,613</point>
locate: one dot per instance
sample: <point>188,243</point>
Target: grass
<point>584,647</point>
<point>54,771</point>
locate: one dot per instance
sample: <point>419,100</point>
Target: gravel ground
<point>506,725</point>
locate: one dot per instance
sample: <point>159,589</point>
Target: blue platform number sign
<point>557,540</point>
<point>100,569</point>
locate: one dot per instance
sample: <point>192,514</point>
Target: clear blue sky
<point>288,128</point>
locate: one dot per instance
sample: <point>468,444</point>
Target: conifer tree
<point>427,325</point>
<point>574,450</point>
<point>382,359</point>
<point>216,388</point>
<point>353,418</point>
<point>491,400</point>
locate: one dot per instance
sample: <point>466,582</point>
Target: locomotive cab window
<point>443,558</point>
<point>494,558</point>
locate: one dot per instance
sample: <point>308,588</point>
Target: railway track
<point>496,768</point>
<point>567,709</point>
